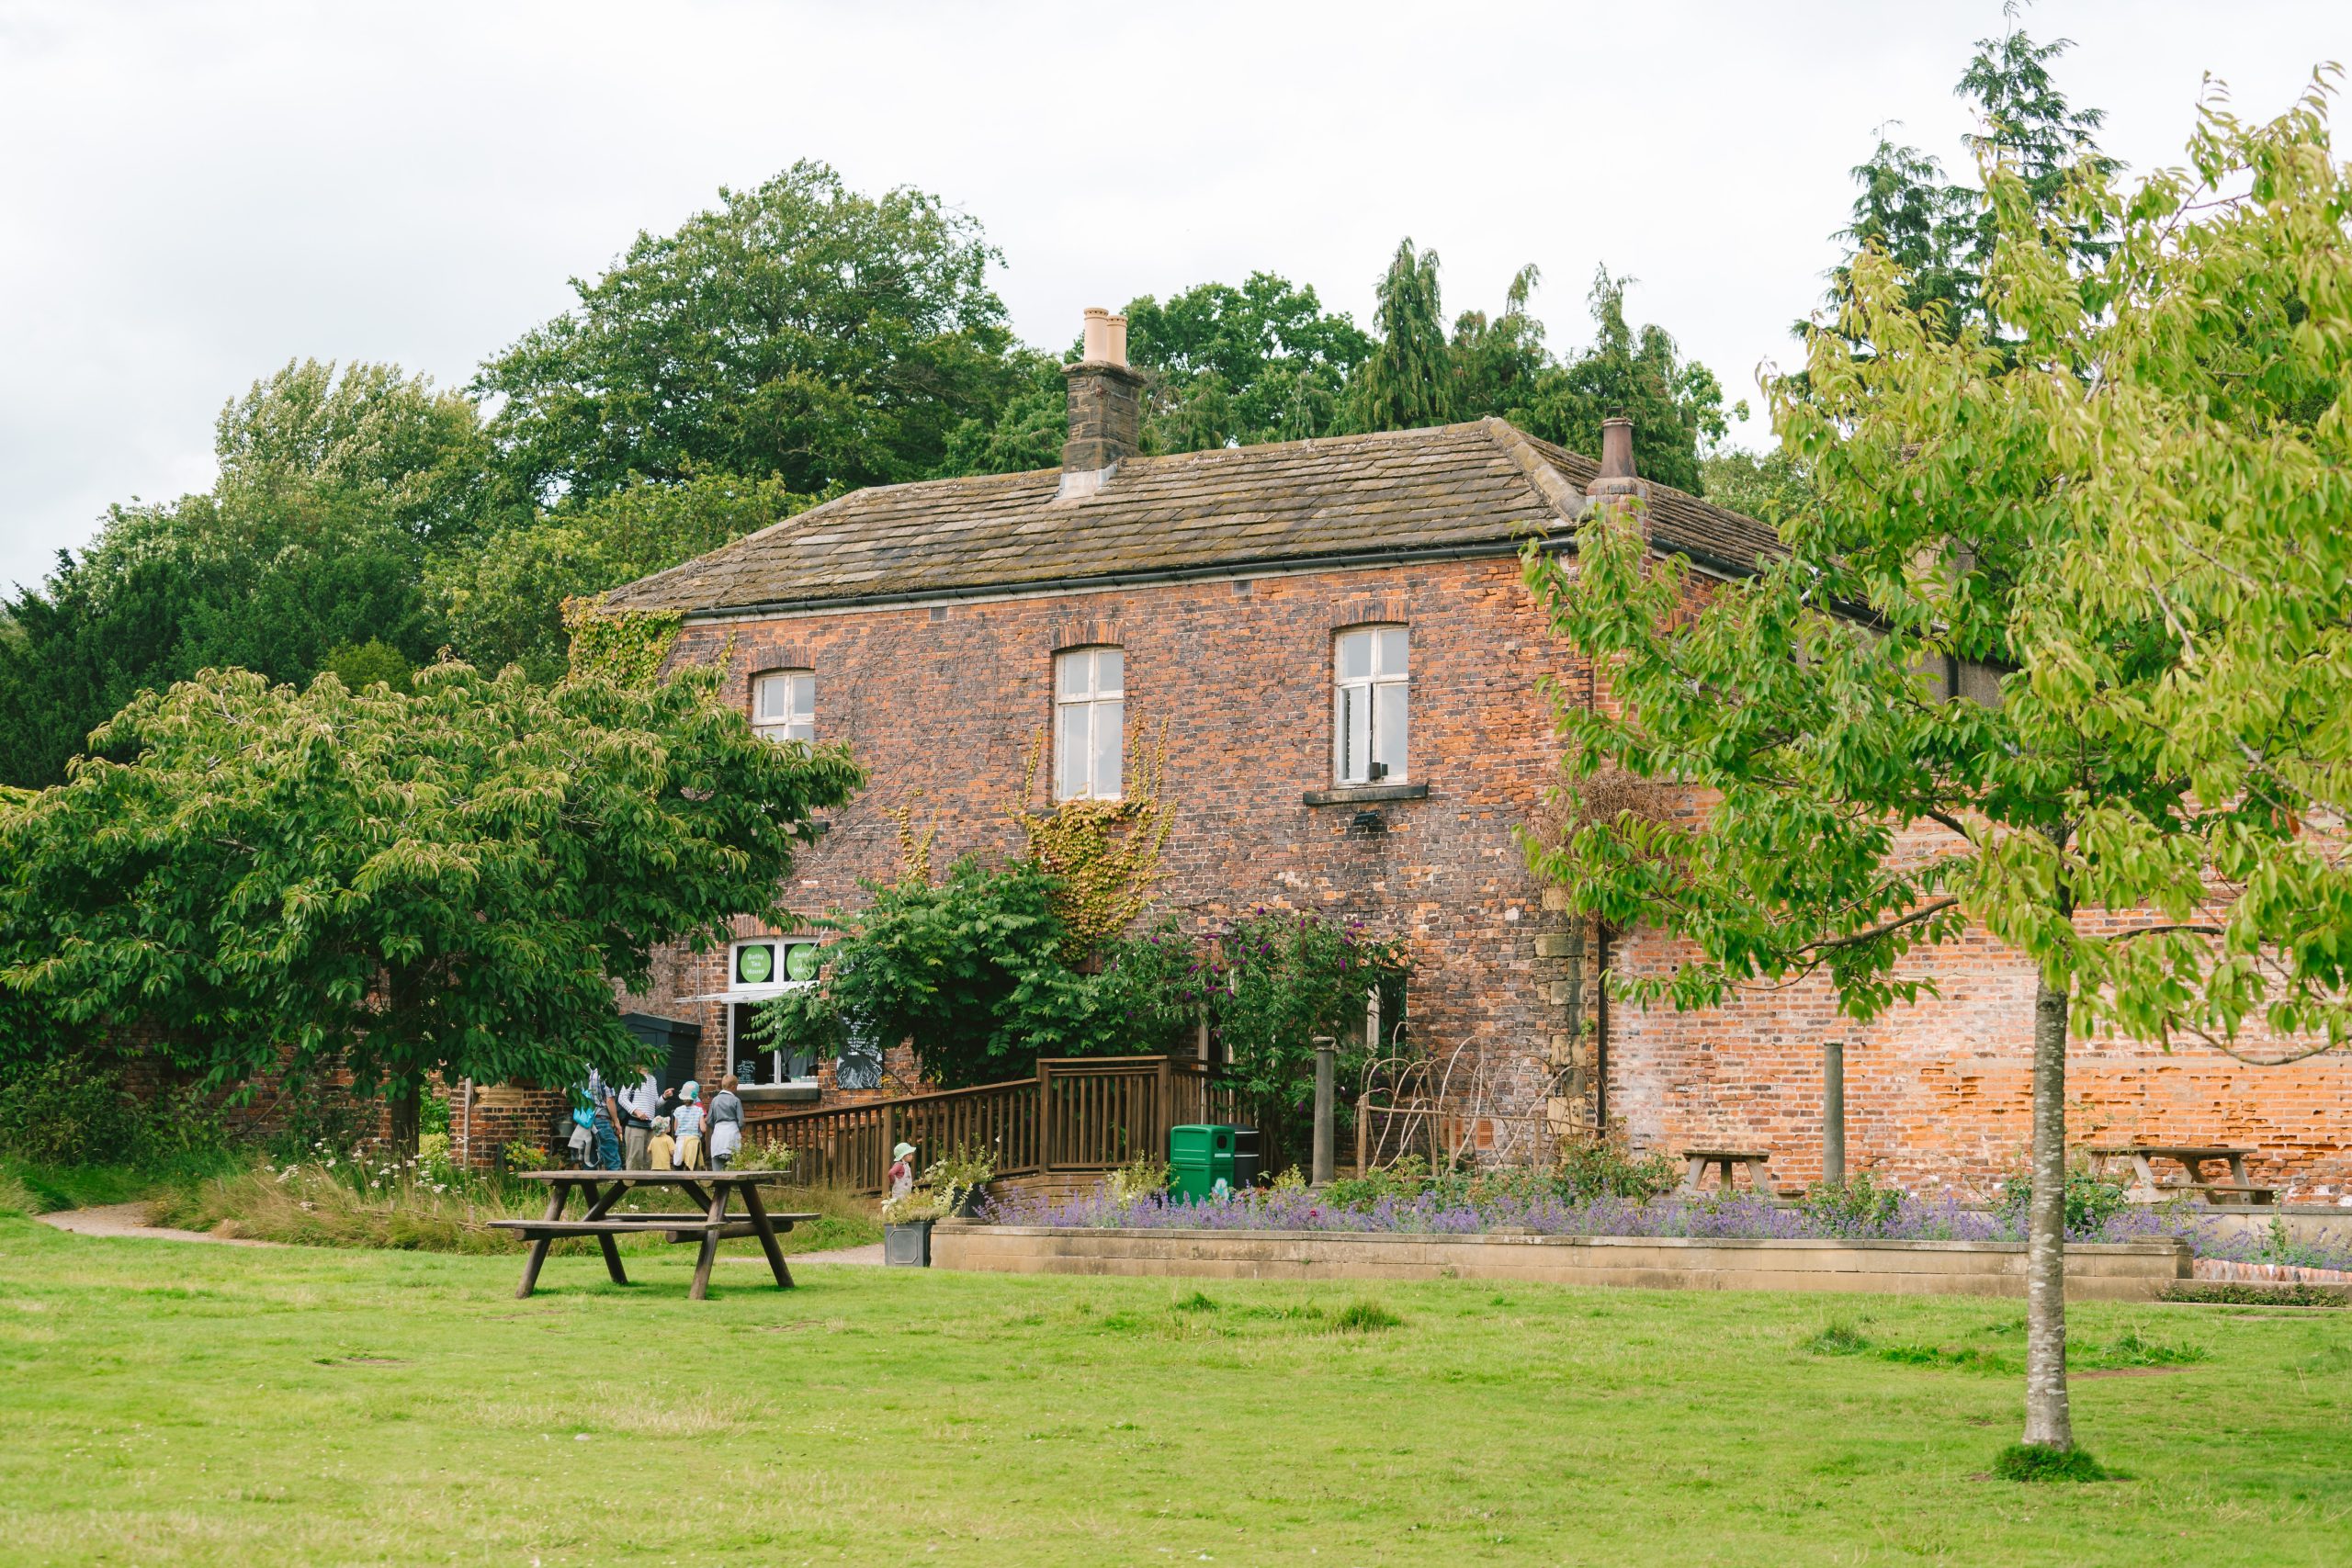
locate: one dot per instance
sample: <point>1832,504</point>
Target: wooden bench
<point>2192,1158</point>
<point>602,1189</point>
<point>1724,1161</point>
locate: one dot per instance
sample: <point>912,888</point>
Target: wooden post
<point>1363,1131</point>
<point>1833,1112</point>
<point>890,1141</point>
<point>1044,1117</point>
<point>1327,1056</point>
<point>1167,1107</point>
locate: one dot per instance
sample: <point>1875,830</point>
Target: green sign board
<point>753,964</point>
<point>801,960</point>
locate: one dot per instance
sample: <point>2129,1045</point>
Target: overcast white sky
<point>192,194</point>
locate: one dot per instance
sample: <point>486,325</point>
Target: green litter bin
<point>1202,1155</point>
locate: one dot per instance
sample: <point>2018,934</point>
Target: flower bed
<point>1897,1218</point>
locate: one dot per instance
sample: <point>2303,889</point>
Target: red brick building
<point>1334,640</point>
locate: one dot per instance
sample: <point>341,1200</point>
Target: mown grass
<point>169,1404</point>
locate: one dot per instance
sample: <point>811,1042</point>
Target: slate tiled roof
<point>1457,488</point>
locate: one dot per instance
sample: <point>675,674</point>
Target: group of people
<point>647,1127</point>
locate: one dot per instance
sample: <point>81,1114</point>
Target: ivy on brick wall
<point>625,646</point>
<point>1103,854</point>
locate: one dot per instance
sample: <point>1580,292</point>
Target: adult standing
<point>637,1107</point>
<point>726,1123</point>
<point>606,1126</point>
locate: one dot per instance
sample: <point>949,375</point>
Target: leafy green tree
<point>1242,367</point>
<point>1770,486</point>
<point>1942,235</point>
<point>360,665</point>
<point>974,970</point>
<point>799,331</point>
<point>449,882</point>
<point>501,598</point>
<point>1499,361</point>
<point>1281,978</point>
<point>1676,404</point>
<point>1406,380</point>
<point>1024,432</point>
<point>2110,514</point>
<point>332,489</point>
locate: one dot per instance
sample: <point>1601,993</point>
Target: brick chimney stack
<point>1105,406</point>
<point>1617,483</point>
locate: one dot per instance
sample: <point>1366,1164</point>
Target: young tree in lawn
<point>2110,518</point>
<point>400,885</point>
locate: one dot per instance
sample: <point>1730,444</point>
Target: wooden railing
<point>1080,1113</point>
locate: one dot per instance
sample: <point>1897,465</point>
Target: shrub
<point>1139,1178</point>
<point>2233,1293</point>
<point>2090,1201</point>
<point>2039,1462</point>
<point>1606,1167</point>
<point>68,1111</point>
<point>1857,1206</point>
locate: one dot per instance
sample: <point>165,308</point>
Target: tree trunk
<point>2048,1421</point>
<point>408,1117</point>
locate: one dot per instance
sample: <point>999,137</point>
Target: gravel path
<point>130,1219</point>
<point>867,1255</point>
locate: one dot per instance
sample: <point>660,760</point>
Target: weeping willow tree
<point>1406,381</point>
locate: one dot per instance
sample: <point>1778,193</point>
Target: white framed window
<point>1090,723</point>
<point>1371,687</point>
<point>783,704</point>
<point>757,971</point>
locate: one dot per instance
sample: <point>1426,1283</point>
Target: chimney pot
<point>1617,447</point>
<point>1106,407</point>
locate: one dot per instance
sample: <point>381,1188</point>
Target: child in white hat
<point>902,1170</point>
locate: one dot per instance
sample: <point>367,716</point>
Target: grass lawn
<point>177,1402</point>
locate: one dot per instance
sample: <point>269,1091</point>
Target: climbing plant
<point>1103,855</point>
<point>624,647</point>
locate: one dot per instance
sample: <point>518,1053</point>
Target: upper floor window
<point>783,704</point>
<point>1368,716</point>
<point>1090,723</point>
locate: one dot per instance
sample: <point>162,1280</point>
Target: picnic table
<point>1724,1161</point>
<point>600,1190</point>
<point>2193,1159</point>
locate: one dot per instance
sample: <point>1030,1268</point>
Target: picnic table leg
<point>760,1220</point>
<point>717,1213</point>
<point>558,1194</point>
<point>1725,1166</point>
<point>1756,1179</point>
<point>1696,1174</point>
<point>2148,1170</point>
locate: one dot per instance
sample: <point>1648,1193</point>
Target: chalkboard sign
<point>860,1064</point>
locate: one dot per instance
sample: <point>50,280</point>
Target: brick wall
<point>948,702</point>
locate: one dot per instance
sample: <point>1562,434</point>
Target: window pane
<point>1388,729</point>
<point>1355,656</point>
<point>1392,650</point>
<point>1070,754</point>
<point>1355,733</point>
<point>1070,673</point>
<point>1110,743</point>
<point>1110,672</point>
<point>801,731</point>
<point>767,698</point>
<point>804,697</point>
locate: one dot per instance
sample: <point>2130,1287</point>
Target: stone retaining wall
<point>2106,1271</point>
